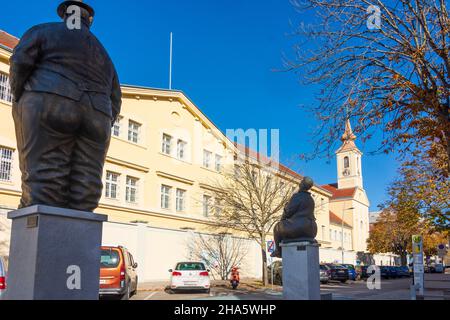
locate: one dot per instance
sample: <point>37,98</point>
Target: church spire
<point>348,138</point>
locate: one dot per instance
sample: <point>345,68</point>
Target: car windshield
<point>349,266</point>
<point>336,267</point>
<point>190,266</point>
<point>109,258</point>
<point>322,267</point>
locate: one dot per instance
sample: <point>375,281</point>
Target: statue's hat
<point>62,8</point>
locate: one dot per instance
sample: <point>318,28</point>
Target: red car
<point>118,277</point>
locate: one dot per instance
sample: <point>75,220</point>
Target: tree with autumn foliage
<point>395,78</point>
<point>416,205</point>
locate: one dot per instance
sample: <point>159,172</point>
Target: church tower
<point>349,161</point>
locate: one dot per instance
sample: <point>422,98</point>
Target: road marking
<point>150,295</point>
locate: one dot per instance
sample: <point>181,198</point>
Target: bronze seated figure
<point>298,222</point>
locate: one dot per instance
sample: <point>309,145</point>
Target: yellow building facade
<point>165,155</point>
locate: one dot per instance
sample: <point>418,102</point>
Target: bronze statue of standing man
<point>66,97</point>
<point>298,222</point>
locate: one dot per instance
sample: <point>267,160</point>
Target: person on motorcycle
<point>235,277</point>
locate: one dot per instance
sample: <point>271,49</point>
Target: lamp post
<point>342,232</point>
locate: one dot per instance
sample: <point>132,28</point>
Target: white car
<point>190,276</point>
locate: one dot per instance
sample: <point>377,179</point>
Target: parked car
<point>362,272</point>
<point>403,272</point>
<point>392,272</point>
<point>3,271</point>
<point>324,274</point>
<point>338,272</point>
<point>384,272</point>
<point>118,277</point>
<point>439,268</point>
<point>277,273</point>
<point>352,274</point>
<point>190,276</point>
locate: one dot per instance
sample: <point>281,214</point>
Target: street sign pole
<point>417,246</point>
<point>270,250</point>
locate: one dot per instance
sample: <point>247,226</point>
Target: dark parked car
<point>403,272</point>
<point>338,272</point>
<point>392,272</point>
<point>352,273</point>
<point>384,272</point>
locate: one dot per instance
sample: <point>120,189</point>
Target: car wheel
<point>343,281</point>
<point>135,289</point>
<point>127,294</point>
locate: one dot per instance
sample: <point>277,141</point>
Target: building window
<point>207,159</point>
<point>165,197</point>
<point>181,200</point>
<point>346,163</point>
<point>335,235</point>
<point>323,232</point>
<point>5,89</point>
<point>116,127</point>
<point>218,207</point>
<point>133,131</point>
<point>206,205</point>
<point>112,185</point>
<point>181,149</point>
<point>132,188</point>
<point>166,144</point>
<point>6,159</point>
<point>218,163</point>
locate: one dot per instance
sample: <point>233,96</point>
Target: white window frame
<point>134,130</point>
<point>131,187</point>
<point>218,163</point>
<point>117,127</point>
<point>206,205</point>
<point>165,196</point>
<point>181,149</point>
<point>111,182</point>
<point>6,164</point>
<point>5,88</point>
<point>166,146</point>
<point>181,200</point>
<point>207,155</point>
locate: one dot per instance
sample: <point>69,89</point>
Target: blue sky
<point>226,54</point>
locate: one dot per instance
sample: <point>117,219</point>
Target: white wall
<point>5,232</point>
<point>158,250</point>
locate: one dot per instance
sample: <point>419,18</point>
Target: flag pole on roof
<point>171,61</point>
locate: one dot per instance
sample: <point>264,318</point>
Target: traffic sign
<point>270,246</point>
<point>442,250</point>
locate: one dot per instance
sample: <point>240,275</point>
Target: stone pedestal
<point>54,254</point>
<point>301,271</point>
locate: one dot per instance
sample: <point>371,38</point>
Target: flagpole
<point>171,61</point>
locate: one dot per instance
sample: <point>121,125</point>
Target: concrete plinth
<point>54,254</point>
<point>301,271</point>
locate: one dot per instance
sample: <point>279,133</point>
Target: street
<point>392,289</point>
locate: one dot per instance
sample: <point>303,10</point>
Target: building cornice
<point>174,177</point>
<point>127,164</point>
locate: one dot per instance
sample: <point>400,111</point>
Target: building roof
<point>7,40</point>
<point>334,219</point>
<point>248,152</point>
<point>339,193</point>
